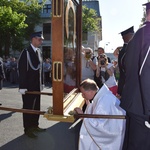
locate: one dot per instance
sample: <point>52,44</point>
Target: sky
<point>117,16</point>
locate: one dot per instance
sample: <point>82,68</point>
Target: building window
<point>47,8</point>
<point>47,31</point>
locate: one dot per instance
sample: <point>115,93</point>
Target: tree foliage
<point>144,15</point>
<point>11,21</point>
<point>18,20</point>
<point>90,20</point>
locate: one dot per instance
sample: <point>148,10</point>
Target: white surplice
<point>103,134</point>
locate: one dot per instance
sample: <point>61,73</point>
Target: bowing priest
<point>99,133</point>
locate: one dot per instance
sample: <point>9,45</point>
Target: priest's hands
<point>78,110</point>
<point>118,96</point>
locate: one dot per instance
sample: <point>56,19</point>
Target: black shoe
<point>30,133</point>
<point>37,129</point>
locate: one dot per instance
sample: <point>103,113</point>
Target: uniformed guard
<point>135,95</point>
<point>126,36</point>
<point>31,79</point>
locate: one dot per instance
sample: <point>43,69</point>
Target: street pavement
<point>56,137</point>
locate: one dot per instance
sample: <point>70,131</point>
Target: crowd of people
<point>10,69</point>
<point>99,68</point>
<point>11,73</point>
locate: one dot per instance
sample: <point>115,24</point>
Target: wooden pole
<point>99,116</point>
<point>38,93</point>
<point>28,111</point>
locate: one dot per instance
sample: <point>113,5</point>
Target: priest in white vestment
<point>99,133</point>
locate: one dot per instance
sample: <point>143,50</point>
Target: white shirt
<point>111,80</point>
<point>104,134</point>
<point>87,71</point>
<point>34,48</point>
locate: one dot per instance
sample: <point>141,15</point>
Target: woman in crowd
<point>105,71</point>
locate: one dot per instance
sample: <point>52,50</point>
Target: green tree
<point>18,20</point>
<point>90,20</point>
<point>11,24</point>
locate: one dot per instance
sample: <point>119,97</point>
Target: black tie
<point>36,52</point>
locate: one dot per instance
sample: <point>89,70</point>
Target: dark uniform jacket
<point>136,92</point>
<point>121,69</point>
<point>28,78</point>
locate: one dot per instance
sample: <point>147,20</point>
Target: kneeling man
<point>100,133</point>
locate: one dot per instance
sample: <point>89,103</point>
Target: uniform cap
<point>147,5</point>
<point>129,30</point>
<point>37,34</point>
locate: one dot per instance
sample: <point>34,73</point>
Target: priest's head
<point>88,89</point>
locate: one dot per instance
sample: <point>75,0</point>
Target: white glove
<point>22,91</point>
<point>42,87</point>
<point>147,124</point>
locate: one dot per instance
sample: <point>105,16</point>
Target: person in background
<point>116,51</point>
<point>13,71</point>
<point>98,80</point>
<point>69,70</point>
<point>105,71</point>
<point>126,36</point>
<point>116,69</point>
<point>7,68</point>
<point>100,133</point>
<point>135,98</point>
<point>69,77</point>
<point>47,70</point>
<point>30,67</point>
<point>2,74</point>
<point>88,65</point>
<point>102,51</point>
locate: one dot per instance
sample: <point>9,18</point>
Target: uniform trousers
<point>31,102</point>
<point>137,135</point>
